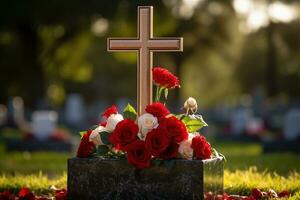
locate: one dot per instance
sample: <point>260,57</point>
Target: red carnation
<point>175,128</point>
<point>26,194</point>
<point>164,78</point>
<point>137,154</point>
<point>202,149</point>
<point>157,109</point>
<point>61,194</point>
<point>111,110</point>
<point>86,147</point>
<point>7,195</point>
<point>170,152</point>
<point>125,133</point>
<point>157,141</point>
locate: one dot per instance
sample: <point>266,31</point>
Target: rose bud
<point>190,105</point>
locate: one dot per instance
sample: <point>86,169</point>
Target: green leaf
<point>216,154</point>
<point>166,93</point>
<point>194,123</point>
<point>180,116</point>
<point>104,137</point>
<point>129,112</point>
<point>93,127</point>
<point>102,150</point>
<point>118,154</point>
<point>156,162</point>
<point>81,133</point>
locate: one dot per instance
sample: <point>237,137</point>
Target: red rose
<point>202,149</point>
<point>227,196</point>
<point>256,193</point>
<point>250,198</point>
<point>157,141</point>
<point>111,110</point>
<point>7,195</point>
<point>170,152</point>
<point>125,133</point>
<point>164,78</point>
<point>86,148</point>
<point>157,109</point>
<point>61,194</point>
<point>26,194</point>
<point>175,128</point>
<point>137,154</point>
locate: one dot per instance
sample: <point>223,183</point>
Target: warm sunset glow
<point>258,14</point>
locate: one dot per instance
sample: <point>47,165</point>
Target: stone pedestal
<point>103,178</point>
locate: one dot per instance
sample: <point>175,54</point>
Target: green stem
<point>157,94</point>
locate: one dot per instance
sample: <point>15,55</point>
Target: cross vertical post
<point>145,44</point>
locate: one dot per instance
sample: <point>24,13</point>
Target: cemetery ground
<point>246,168</point>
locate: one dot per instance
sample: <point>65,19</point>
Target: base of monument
<point>107,178</point>
<point>37,145</point>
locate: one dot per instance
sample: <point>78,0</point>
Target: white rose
<point>185,149</point>
<point>146,123</point>
<point>95,135</point>
<point>112,122</point>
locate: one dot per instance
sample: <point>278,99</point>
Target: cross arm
<point>166,44</point>
<point>121,44</point>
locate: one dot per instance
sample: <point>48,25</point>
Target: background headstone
<point>16,112</point>
<point>43,124</point>
<point>239,120</point>
<point>3,115</point>
<point>75,111</point>
<point>292,124</point>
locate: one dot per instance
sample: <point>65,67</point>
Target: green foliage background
<point>47,50</point>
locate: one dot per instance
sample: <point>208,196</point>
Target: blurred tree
<point>51,48</point>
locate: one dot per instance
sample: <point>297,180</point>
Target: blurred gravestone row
<point>276,125</point>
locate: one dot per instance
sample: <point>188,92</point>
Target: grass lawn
<point>245,169</point>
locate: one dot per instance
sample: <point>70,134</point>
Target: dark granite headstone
<point>37,145</point>
<point>281,146</point>
<point>102,178</point>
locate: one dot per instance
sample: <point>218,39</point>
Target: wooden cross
<point>145,44</point>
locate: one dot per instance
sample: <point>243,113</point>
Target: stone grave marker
<point>239,119</point>
<point>291,135</point>
<point>43,124</point>
<point>75,111</point>
<point>15,112</point>
<point>292,124</point>
<point>3,115</point>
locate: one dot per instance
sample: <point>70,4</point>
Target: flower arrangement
<point>155,136</point>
